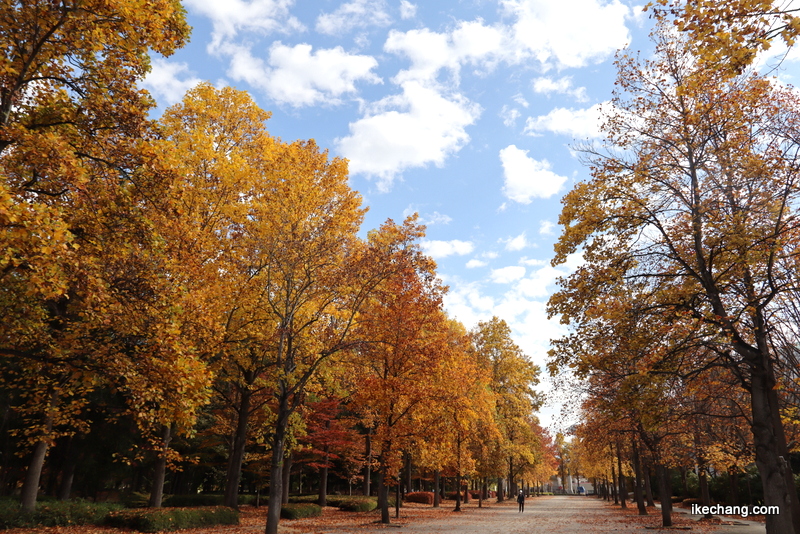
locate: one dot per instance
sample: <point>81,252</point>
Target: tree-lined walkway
<point>562,514</point>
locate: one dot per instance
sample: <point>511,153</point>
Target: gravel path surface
<point>556,514</point>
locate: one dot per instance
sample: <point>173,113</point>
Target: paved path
<point>561,514</point>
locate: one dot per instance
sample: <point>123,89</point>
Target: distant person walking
<point>521,501</point>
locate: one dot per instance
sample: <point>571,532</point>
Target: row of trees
<point>195,276</point>
<point>684,312</point>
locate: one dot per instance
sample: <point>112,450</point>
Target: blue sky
<point>462,111</point>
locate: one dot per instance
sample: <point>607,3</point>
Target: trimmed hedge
<point>203,499</point>
<point>300,510</point>
<point>422,497</point>
<point>54,514</point>
<point>158,519</point>
<point>358,505</point>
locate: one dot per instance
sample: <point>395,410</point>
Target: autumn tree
<point>695,198</point>
<point>71,153</point>
<point>513,377</point>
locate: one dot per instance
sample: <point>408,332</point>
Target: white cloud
<point>232,16</point>
<point>297,76</point>
<point>429,52</point>
<point>407,10</point>
<point>505,275</point>
<point>442,249</point>
<point>169,80</point>
<point>413,129</point>
<point>546,227</point>
<point>509,116</point>
<point>355,14</point>
<point>578,123</point>
<point>562,85</point>
<point>430,219</point>
<point>533,262</point>
<point>472,264</point>
<point>527,178</point>
<point>569,34</point>
<point>490,255</point>
<point>516,243</point>
<point>519,99</point>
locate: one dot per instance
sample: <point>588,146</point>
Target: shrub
<point>158,519</point>
<point>358,505</point>
<point>423,497</point>
<point>191,501</point>
<point>300,510</point>
<point>54,513</point>
<point>294,499</point>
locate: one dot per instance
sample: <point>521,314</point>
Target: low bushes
<point>54,513</point>
<point>358,505</point>
<point>422,497</point>
<point>300,510</point>
<point>158,519</point>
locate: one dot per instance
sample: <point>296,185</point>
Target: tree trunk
<point>613,477</point>
<point>30,487</point>
<point>286,474</point>
<point>436,495</point>
<point>733,481</point>
<point>68,470</point>
<point>368,462</point>
<point>648,488</point>
<point>772,467</point>
<point>323,478</point>
<point>458,493</point>
<point>160,471</point>
<point>499,489</point>
<point>664,495</point>
<point>408,472</point>
<point>234,474</point>
<point>276,465</point>
<point>623,490</point>
<point>637,483</point>
<point>383,493</point>
<point>705,496</point>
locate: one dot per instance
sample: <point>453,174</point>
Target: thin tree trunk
<point>664,495</point>
<point>623,490</point>
<point>30,487</point>
<point>276,465</point>
<point>613,477</point>
<point>234,473</point>
<point>68,470</point>
<point>705,496</point>
<point>368,462</point>
<point>637,487</point>
<point>160,471</point>
<point>286,474</point>
<point>323,479</point>
<point>648,488</point>
<point>436,495</point>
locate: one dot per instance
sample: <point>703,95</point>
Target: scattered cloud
<point>578,123</point>
<point>355,14</point>
<point>490,255</point>
<point>168,81</point>
<point>505,275</point>
<point>442,249</point>
<point>298,76</point>
<point>547,227</point>
<point>510,116</point>
<point>232,16</point>
<point>407,10</point>
<point>568,34</point>
<point>519,99</point>
<point>546,86</point>
<point>472,264</point>
<point>516,243</point>
<point>413,129</point>
<point>527,178</point>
